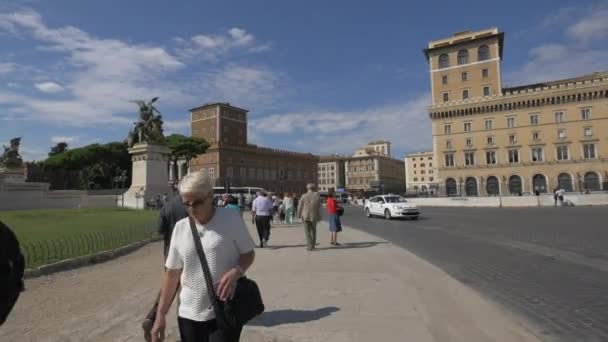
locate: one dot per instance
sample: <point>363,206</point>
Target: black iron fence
<point>43,252</point>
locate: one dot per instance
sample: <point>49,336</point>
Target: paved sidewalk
<point>366,290</point>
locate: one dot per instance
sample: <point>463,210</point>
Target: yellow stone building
<point>488,139</point>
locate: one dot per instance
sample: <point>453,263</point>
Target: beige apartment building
<point>421,173</point>
<point>331,172</point>
<point>371,169</point>
<point>489,140</point>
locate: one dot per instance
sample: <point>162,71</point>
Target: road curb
<point>85,260</point>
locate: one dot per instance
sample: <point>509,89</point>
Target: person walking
<point>229,250</point>
<point>276,203</point>
<point>288,205</point>
<point>335,225</point>
<point>309,210</point>
<point>262,206</point>
<point>233,203</point>
<point>555,196</point>
<point>241,202</point>
<point>560,196</point>
<point>169,215</point>
<point>12,267</point>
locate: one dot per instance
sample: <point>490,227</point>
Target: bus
<point>246,190</point>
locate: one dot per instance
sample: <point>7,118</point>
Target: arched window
<point>450,187</point>
<point>470,186</point>
<point>444,61</point>
<point>564,181</point>
<point>463,57</point>
<point>592,181</point>
<point>515,184</point>
<point>539,183</point>
<point>483,53</point>
<point>492,185</point>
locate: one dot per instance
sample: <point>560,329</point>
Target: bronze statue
<point>11,158</point>
<point>149,128</point>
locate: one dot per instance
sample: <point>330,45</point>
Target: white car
<point>391,206</point>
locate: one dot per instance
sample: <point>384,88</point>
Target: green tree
<point>183,147</point>
<point>61,147</point>
<point>93,163</point>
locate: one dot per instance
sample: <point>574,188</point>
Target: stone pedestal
<point>150,175</point>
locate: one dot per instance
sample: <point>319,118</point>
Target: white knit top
<point>224,239</point>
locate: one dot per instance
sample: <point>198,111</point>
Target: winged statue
<point>149,127</point>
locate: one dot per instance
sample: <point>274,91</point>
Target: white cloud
<point>594,26</point>
<point>176,126</point>
<point>100,76</point>
<point>66,139</point>
<point>405,124</point>
<point>575,55</point>
<point>210,47</point>
<point>49,87</point>
<point>5,68</point>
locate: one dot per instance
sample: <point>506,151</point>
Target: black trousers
<point>262,223</point>
<point>194,331</point>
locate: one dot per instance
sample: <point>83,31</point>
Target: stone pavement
<point>365,290</point>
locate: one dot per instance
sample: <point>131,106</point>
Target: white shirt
<point>224,239</point>
<point>261,206</point>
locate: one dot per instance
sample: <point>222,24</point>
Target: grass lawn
<point>51,235</point>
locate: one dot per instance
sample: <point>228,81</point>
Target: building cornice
<point>581,91</point>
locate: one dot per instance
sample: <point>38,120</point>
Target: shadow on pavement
<point>287,246</point>
<point>279,317</point>
<point>354,245</point>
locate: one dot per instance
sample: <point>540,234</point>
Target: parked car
<point>391,206</point>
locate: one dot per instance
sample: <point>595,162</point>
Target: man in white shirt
<point>262,206</point>
<point>560,195</point>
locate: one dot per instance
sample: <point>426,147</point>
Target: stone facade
<point>421,173</point>
<point>515,140</point>
<point>230,159</point>
<point>331,173</point>
<point>369,173</point>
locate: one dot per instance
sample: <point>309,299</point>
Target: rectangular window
<point>486,91</point>
<point>537,154</point>
<point>469,158</point>
<point>465,94</point>
<point>490,140</point>
<point>422,172</point>
<point>464,76</point>
<point>490,157</point>
<point>446,97</point>
<point>251,173</point>
<point>467,127</point>
<point>589,151</point>
<point>448,144</point>
<point>415,179</point>
<point>449,160</point>
<point>561,134</point>
<point>586,113</point>
<point>562,152</point>
<point>513,156</point>
<point>559,117</point>
<point>469,142</point>
<point>588,132</point>
<point>429,158</point>
<point>484,73</point>
<point>489,124</point>
<point>422,165</point>
<point>535,136</point>
<point>230,171</point>
<point>534,119</point>
<point>431,179</point>
<point>422,179</point>
<point>414,165</point>
<point>444,79</point>
<point>511,122</point>
<point>414,171</point>
<point>512,139</point>
<point>243,172</point>
<point>447,129</point>
<point>211,172</point>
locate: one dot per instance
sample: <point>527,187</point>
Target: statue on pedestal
<point>11,159</point>
<point>149,128</point>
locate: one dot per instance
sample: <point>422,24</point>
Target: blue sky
<point>318,76</point>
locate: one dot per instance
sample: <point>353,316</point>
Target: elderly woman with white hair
<point>229,250</point>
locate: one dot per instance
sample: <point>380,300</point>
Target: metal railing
<point>43,252</point>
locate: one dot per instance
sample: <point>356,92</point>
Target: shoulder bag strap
<point>204,265</point>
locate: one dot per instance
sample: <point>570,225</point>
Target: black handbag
<point>340,211</point>
<point>246,303</point>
